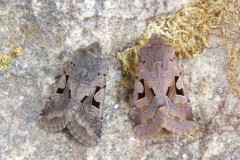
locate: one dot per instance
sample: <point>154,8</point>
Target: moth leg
<point>80,125</point>
<point>158,101</point>
<point>178,127</point>
<point>152,127</point>
<point>142,104</point>
<point>90,110</point>
<point>184,114</point>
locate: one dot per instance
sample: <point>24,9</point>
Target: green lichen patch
<point>5,60</point>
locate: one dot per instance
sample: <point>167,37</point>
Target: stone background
<point>50,31</point>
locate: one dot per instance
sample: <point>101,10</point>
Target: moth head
<point>156,53</point>
<point>68,67</point>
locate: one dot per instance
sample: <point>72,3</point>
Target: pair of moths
<point>160,100</point>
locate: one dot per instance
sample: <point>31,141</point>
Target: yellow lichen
<point>129,64</point>
<point>233,69</point>
<point>189,31</point>
<point>5,60</point>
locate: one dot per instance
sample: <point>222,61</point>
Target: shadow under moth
<point>160,98</point>
<point>77,101</point>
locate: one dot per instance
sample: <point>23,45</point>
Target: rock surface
<point>50,31</point>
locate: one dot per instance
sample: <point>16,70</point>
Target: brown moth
<point>77,101</point>
<point>160,98</point>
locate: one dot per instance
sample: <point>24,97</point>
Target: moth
<point>160,98</point>
<point>78,97</point>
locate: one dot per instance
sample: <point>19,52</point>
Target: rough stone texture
<point>50,31</point>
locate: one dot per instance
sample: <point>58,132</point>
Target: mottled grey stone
<point>50,31</point>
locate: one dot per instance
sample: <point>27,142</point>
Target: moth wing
<point>83,133</point>
<point>53,120</point>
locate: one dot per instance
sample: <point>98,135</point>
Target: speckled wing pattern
<point>160,99</point>
<point>78,98</point>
